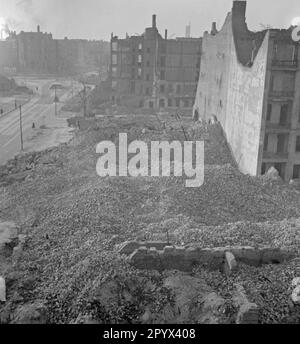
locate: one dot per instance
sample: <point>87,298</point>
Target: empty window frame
<point>298,144</point>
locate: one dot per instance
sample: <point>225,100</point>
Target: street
<point>40,110</point>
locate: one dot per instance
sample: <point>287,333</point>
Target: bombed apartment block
<point>152,71</point>
<point>250,81</point>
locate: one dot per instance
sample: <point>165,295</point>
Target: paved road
<point>36,111</point>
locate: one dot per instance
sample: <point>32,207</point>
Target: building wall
<point>153,71</point>
<point>251,83</point>
<point>232,87</point>
<point>282,121</point>
<point>34,50</point>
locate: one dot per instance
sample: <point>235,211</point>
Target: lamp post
<point>21,129</point>
<point>55,100</point>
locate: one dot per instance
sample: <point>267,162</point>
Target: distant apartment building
<point>250,81</point>
<point>8,56</point>
<point>38,53</point>
<point>152,71</point>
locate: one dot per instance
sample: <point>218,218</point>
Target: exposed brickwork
<point>160,256</point>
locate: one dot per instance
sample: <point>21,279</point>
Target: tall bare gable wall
<point>245,100</point>
<point>233,92</point>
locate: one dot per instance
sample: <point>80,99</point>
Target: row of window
<point>169,88</point>
<point>171,103</point>
<point>285,113</point>
<point>282,143</point>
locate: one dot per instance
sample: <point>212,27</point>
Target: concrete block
<point>230,263</point>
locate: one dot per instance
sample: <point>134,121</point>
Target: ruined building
<point>38,53</point>
<point>152,71</point>
<point>250,81</point>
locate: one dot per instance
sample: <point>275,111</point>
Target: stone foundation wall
<point>161,256</point>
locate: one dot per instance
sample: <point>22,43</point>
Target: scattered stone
<point>272,174</point>
<point>146,317</point>
<point>194,301</point>
<point>230,263</point>
<point>296,291</point>
<point>295,182</point>
<point>248,311</point>
<point>213,309</point>
<point>35,313</point>
<point>86,320</point>
<point>213,120</point>
<point>296,282</point>
<point>2,290</point>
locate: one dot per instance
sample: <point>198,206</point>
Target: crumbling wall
<point>234,92</point>
<point>161,256</point>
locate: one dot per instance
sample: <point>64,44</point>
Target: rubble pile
<point>74,221</point>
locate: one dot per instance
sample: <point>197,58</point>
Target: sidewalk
<point>13,108</point>
<point>54,131</point>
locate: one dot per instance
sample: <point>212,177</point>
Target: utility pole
<point>84,101</point>
<point>21,129</point>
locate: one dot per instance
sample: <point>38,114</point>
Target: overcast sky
<point>96,19</point>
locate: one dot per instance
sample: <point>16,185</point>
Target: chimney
<point>188,31</point>
<point>38,29</point>
<point>214,30</point>
<point>166,34</point>
<point>154,21</point>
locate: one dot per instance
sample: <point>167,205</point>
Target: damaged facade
<point>38,53</point>
<point>152,71</point>
<point>250,81</point>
